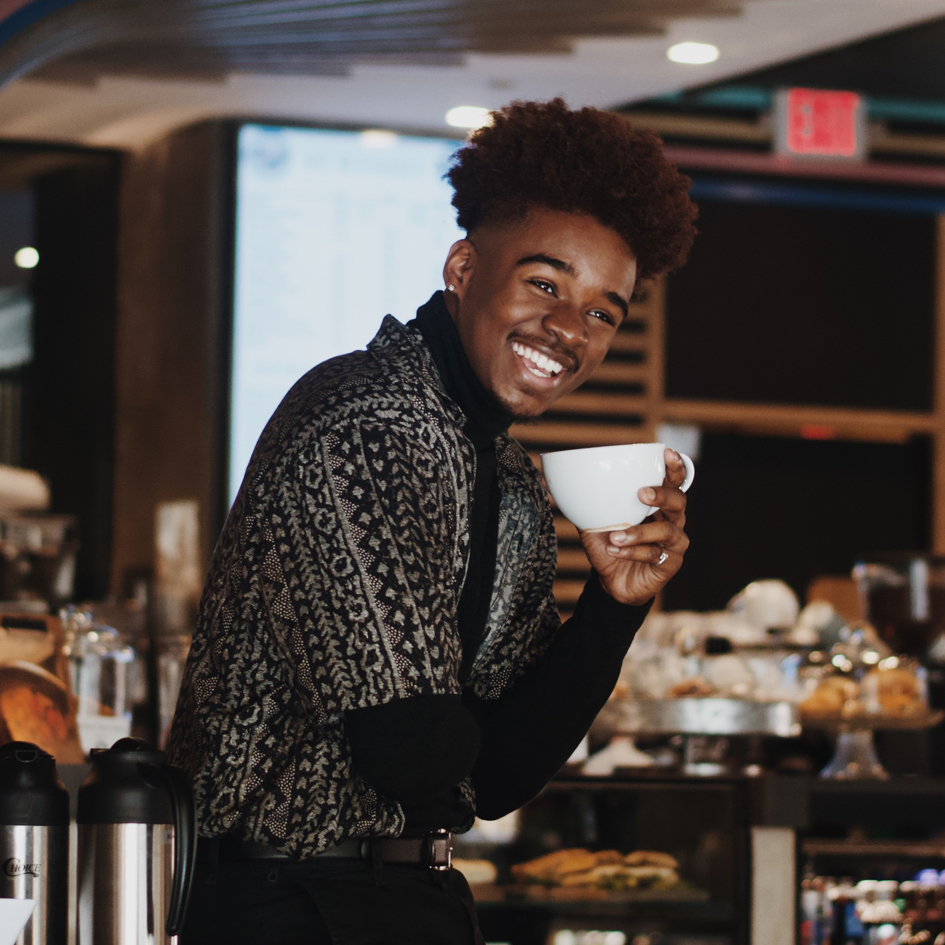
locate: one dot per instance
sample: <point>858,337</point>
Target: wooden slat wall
<point>170,398</point>
<point>763,419</point>
<point>620,403</point>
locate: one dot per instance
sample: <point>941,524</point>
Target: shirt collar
<point>486,418</point>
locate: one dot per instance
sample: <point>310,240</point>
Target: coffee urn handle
<point>185,841</point>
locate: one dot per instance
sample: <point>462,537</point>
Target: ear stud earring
<point>451,288</point>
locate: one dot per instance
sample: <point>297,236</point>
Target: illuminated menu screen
<point>334,230</point>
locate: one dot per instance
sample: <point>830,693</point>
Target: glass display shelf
<point>702,824</point>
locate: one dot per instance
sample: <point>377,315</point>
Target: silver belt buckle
<point>439,850</point>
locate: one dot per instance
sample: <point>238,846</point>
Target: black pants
<point>329,902</point>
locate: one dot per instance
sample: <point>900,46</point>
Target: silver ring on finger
<point>664,555</point>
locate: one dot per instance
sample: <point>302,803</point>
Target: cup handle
<point>687,482</point>
<point>690,471</point>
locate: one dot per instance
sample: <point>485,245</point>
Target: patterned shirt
<point>334,586</point>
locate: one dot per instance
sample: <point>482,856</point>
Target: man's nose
<point>567,322</point>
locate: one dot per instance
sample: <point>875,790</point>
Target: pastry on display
<point>35,706</point>
<point>694,687</point>
<point>834,697</point>
<point>651,858</point>
<point>32,716</point>
<point>896,691</point>
<point>549,869</point>
<point>607,869</point>
<point>893,690</point>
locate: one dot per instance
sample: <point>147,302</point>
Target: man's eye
<point>544,286</point>
<point>603,316</point>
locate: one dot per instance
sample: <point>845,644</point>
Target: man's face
<point>538,302</point>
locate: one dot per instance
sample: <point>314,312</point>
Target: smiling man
<point>535,326</point>
<point>378,656</point>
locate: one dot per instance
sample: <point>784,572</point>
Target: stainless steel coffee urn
<point>34,841</point>
<point>137,842</point>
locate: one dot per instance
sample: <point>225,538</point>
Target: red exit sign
<point>820,124</point>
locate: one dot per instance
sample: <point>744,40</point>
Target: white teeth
<point>541,361</point>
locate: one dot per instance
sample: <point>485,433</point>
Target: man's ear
<point>459,267</point>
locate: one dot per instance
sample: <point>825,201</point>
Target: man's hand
<point>627,562</point>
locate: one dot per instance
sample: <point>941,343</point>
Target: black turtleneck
<point>486,418</point>
<point>417,750</point>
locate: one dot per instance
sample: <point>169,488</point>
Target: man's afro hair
<point>542,154</point>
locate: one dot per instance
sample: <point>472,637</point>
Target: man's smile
<point>541,365</point>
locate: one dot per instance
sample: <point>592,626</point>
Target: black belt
<point>433,850</point>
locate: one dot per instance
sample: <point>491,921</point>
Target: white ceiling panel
<point>130,111</point>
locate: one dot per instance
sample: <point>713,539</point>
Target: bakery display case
<point>734,773</point>
<point>872,858</point>
<point>645,860</point>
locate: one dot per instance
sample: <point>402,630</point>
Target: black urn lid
<point>122,787</point>
<point>31,793</point>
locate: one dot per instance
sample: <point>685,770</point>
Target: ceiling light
<point>377,138</point>
<point>26,257</point>
<point>468,116</point>
<point>693,54</point>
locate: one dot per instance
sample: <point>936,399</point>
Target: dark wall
<point>771,507</point>
<point>172,291</point>
<point>804,305</point>
<point>16,231</point>
<point>813,304</point>
<point>69,413</point>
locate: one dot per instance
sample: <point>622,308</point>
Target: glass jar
<point>101,668</point>
<point>903,596</point>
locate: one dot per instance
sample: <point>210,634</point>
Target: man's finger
<point>675,468</point>
<point>648,553</point>
<point>669,499</point>
<point>661,532</point>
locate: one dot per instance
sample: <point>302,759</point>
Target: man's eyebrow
<point>566,267</point>
<point>558,264</point>
<point>620,302</point>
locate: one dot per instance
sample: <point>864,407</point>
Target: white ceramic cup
<point>596,488</point>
